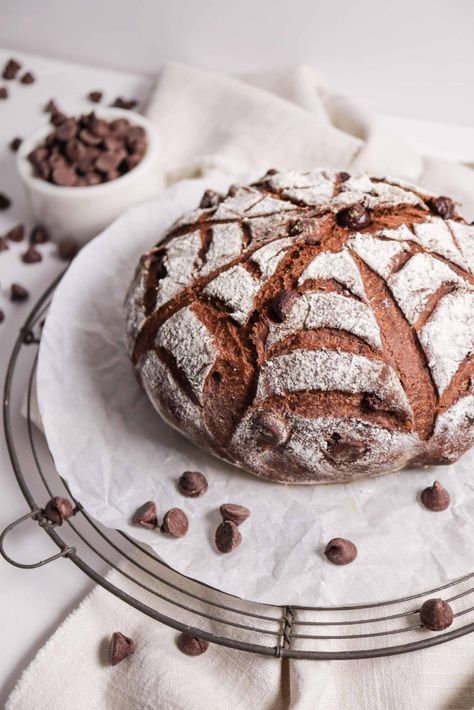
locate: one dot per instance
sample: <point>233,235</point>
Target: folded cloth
<point>210,121</point>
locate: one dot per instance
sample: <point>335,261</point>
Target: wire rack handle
<point>36,513</point>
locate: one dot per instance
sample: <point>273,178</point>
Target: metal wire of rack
<point>139,578</point>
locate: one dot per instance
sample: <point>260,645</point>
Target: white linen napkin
<point>209,121</point>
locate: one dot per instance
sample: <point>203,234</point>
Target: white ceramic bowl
<point>83,212</point>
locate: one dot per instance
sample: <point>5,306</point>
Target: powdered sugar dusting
<point>135,308</point>
<point>236,205</point>
<point>226,244</point>
<point>236,289</point>
<point>339,266</point>
<point>268,257</point>
<point>378,254</point>
<point>434,235</point>
<point>181,261</point>
<point>464,237</point>
<point>459,418</point>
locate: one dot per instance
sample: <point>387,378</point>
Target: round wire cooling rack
<point>139,578</point>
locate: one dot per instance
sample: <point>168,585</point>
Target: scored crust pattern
<point>369,365</point>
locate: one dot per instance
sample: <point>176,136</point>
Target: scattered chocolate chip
<point>228,536</point>
<point>28,78</point>
<point>191,645</point>
<point>283,302</point>
<point>67,249</point>
<point>128,104</point>
<point>343,177</point>
<point>31,256</point>
<point>436,614</point>
<point>353,217</point>
<point>3,244</point>
<point>5,201</point>
<point>15,144</point>
<point>39,235</point>
<point>192,484</point>
<point>18,293</point>
<point>11,69</point>
<point>2,316</point>
<point>272,171</point>
<point>16,234</point>
<point>51,107</point>
<point>210,199</point>
<point>146,516</point>
<point>3,92</point>
<point>175,523</point>
<point>442,206</point>
<point>435,497</point>
<point>340,551</point>
<point>270,428</point>
<point>58,510</point>
<point>121,647</point>
<point>342,451</point>
<point>237,514</point>
<point>57,117</point>
<point>95,96</point>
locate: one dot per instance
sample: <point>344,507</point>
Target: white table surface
<point>34,602</point>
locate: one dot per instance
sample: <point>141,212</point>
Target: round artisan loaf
<point>312,327</point>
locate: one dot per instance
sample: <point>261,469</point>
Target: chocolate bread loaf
<point>312,327</point>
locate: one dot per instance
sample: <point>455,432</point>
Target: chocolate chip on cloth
<point>5,201</point>
<point>121,647</point>
<point>3,92</point>
<point>11,69</point>
<point>31,256</point>
<point>95,96</point>
<point>58,510</point>
<point>2,316</point>
<point>228,536</point>
<point>18,293</point>
<point>15,144</point>
<point>28,78</point>
<point>51,107</point>
<point>39,235</point>
<point>175,523</point>
<point>128,104</point>
<point>3,244</point>
<point>191,645</point>
<point>146,516</point>
<point>435,497</point>
<point>340,551</point>
<point>192,484</point>
<point>237,514</point>
<point>16,233</point>
<point>67,249</point>
<point>436,614</point>
<point>354,217</point>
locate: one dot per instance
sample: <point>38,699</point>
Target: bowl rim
<point>34,139</point>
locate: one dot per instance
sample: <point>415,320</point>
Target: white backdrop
<point>407,57</point>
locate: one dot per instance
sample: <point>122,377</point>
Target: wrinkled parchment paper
<point>116,452</point>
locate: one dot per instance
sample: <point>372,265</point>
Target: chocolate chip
<point>436,614</point>
<point>63,176</point>
<point>120,126</point>
<point>109,161</point>
<point>146,516</point>
<point>237,514</point>
<point>95,96</point>
<point>192,484</point>
<point>128,104</point>
<point>341,450</point>
<point>442,206</point>
<point>191,645</point>
<point>28,78</point>
<point>121,647</point>
<point>67,249</point>
<point>344,177</point>
<point>51,107</point>
<point>18,293</point>
<point>15,144</point>
<point>132,160</point>
<point>39,235</point>
<point>57,118</point>
<point>16,234</point>
<point>31,256</point>
<point>3,92</point>
<point>228,536</point>
<point>89,138</point>
<point>5,201</point>
<point>3,244</point>
<point>58,510</point>
<point>270,428</point>
<point>66,130</point>
<point>175,523</point>
<point>340,551</point>
<point>37,155</point>
<point>435,497</point>
<point>2,316</point>
<point>210,199</point>
<point>354,217</point>
<point>11,69</point>
<point>308,229</point>
<point>283,302</point>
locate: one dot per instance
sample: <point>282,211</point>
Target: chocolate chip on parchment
<point>39,235</point>
<point>67,249</point>
<point>435,497</point>
<point>11,69</point>
<point>121,647</point>
<point>191,645</point>
<point>436,614</point>
<point>58,510</point>
<point>340,551</point>
<point>146,516</point>
<point>31,256</point>
<point>95,96</point>
<point>283,302</point>
<point>3,92</point>
<point>175,523</point>
<point>354,217</point>
<point>237,514</point>
<point>210,199</point>
<point>28,78</point>
<point>16,233</point>
<point>5,201</point>
<point>18,293</point>
<point>192,484</point>
<point>442,206</point>
<point>228,536</point>
<point>15,144</point>
<point>270,428</point>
